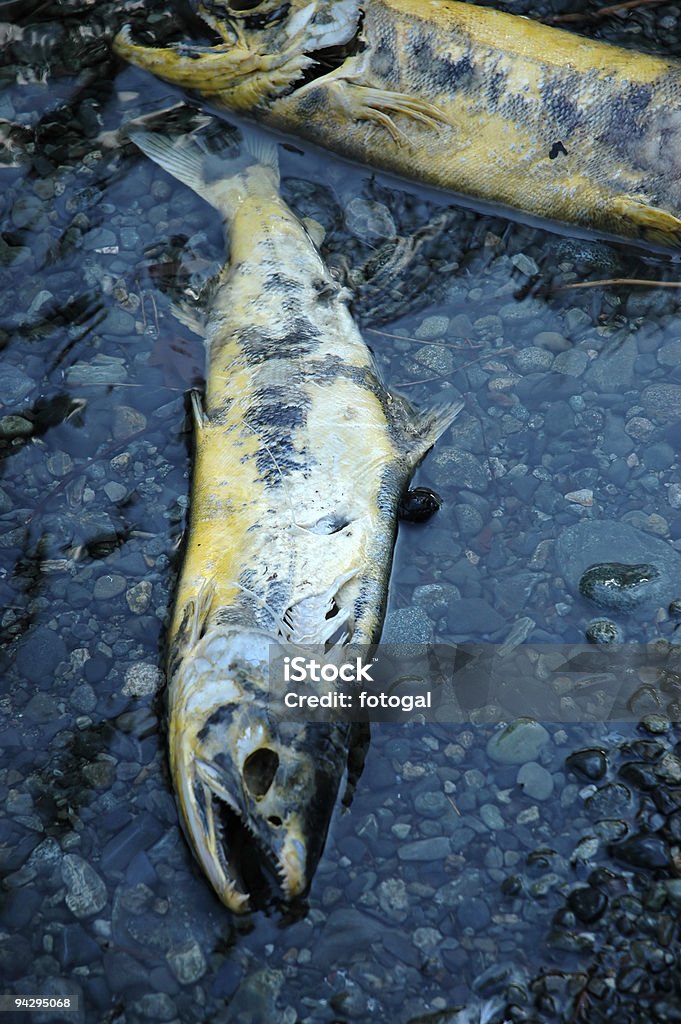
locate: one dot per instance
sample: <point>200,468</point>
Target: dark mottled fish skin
<point>301,458</point>
<point>464,98</point>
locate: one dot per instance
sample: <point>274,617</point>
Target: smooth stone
<point>535,780</point>
<point>39,653</point>
<point>643,851</point>
<point>663,401</point>
<point>14,384</point>
<point>473,615</point>
<point>590,764</point>
<point>518,742</point>
<point>108,586</point>
<point>604,631</point>
<point>587,903</point>
<point>613,368</point>
<point>619,585</point>
<point>436,848</point>
<point>450,464</point>
<point>589,543</point>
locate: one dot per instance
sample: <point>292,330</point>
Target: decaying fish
<point>301,458</point>
<point>458,96</point>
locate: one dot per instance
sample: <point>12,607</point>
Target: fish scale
<point>462,97</point>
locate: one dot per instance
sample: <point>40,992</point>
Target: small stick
<point>615,280</point>
<point>602,12</point>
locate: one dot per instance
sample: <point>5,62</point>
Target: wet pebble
<point>109,586</point>
<point>14,384</point>
<point>662,401</point>
<point>15,426</point>
<point>39,653</point>
<point>474,913</point>
<point>85,891</point>
<point>604,631</point>
<point>620,586</point>
<point>587,903</point>
<point>436,848</point>
<point>642,851</point>
<point>187,962</point>
<point>432,327</point>
<point>535,781</point>
<point>518,742</point>
<point>142,680</point>
<point>369,220</point>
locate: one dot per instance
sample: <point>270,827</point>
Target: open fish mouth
<point>245,870</point>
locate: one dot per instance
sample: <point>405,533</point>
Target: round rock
<point>536,782</point>
<point>518,742</point>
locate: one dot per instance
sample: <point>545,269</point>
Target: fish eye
<point>259,770</point>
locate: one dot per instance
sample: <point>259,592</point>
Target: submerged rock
<point>620,586</point>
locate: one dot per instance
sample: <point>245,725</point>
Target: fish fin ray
<point>201,607</point>
<point>262,148</point>
<point>651,222</point>
<point>198,413</point>
<point>431,425</point>
<point>364,103</point>
<point>189,318</point>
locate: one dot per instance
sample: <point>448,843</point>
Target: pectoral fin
<point>647,221</point>
<point>358,102</point>
<point>431,425</point>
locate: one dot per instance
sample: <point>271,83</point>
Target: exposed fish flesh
<point>463,97</point>
<point>302,456</point>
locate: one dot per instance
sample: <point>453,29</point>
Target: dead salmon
<point>301,458</point>
<point>462,97</point>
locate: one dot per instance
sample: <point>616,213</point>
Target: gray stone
<point>14,384</point>
<point>102,370</point>
<point>663,401</point>
<point>491,817</point>
<point>142,680</point>
<point>533,359</point>
<point>108,586</point>
<point>39,653</point>
<point>187,962</point>
<point>15,426</point>
<point>535,780</point>
<point>432,327</point>
<point>573,362</point>
<point>454,466</point>
<point>407,626</point>
<point>85,890</point>
<point>473,615</point>
<point>518,742</point>
<point>613,369</point>
<point>590,543</point>
<point>436,848</point>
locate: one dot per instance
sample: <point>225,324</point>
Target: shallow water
<point>447,880</point>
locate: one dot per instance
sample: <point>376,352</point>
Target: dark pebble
<point>140,834</point>
<point>418,505</point>
<point>619,586</point>
<point>642,851</point>
<point>226,980</point>
<point>587,903</point>
<point>589,764</point>
<point>674,825</point>
<point>39,653</point>
<point>609,801</point>
<point>140,870</point>
<point>603,631</point>
<point>18,907</point>
<point>639,774</point>
<point>74,947</point>
<point>473,913</point>
<point>473,615</point>
<point>96,668</point>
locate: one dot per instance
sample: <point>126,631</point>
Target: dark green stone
<point>618,585</point>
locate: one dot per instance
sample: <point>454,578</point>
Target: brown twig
<point>421,341</point>
<point>614,280</point>
<point>602,12</point>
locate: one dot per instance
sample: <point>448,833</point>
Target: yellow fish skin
<point>301,458</point>
<point>465,98</point>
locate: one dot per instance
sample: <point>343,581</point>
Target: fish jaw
<point>246,781</point>
<point>252,67</point>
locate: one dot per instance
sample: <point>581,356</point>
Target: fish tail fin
<point>431,425</point>
<point>220,179</point>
